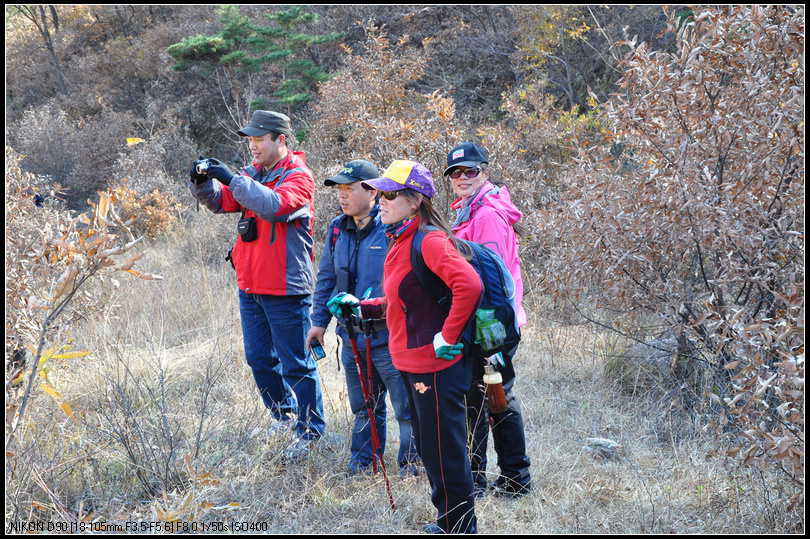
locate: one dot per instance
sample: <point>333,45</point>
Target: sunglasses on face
<point>390,195</point>
<point>468,172</point>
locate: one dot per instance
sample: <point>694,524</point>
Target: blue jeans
<point>385,378</point>
<point>274,330</point>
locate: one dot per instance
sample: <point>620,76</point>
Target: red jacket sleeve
<point>374,308</point>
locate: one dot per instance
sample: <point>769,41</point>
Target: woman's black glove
<point>220,171</point>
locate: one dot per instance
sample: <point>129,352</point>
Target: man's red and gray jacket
<point>279,262</point>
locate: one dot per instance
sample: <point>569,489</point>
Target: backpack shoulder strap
<point>334,231</point>
<point>336,228</point>
<point>429,280</point>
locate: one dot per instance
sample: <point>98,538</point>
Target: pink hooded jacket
<point>487,218</point>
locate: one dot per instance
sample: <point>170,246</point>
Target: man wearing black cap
<point>352,262</point>
<point>273,258</point>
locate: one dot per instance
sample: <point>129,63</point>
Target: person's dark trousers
<point>438,417</point>
<point>508,434</point>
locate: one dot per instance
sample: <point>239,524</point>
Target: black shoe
<point>409,470</point>
<point>360,469</point>
<point>509,488</point>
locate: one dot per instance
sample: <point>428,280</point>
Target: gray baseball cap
<point>265,121</point>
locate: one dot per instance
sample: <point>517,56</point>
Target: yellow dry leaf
<point>72,355</point>
<point>36,303</point>
<point>46,356</point>
<point>51,391</point>
<point>103,206</point>
<point>232,505</point>
<point>207,479</point>
<point>133,141</point>
<point>145,276</point>
<point>55,394</point>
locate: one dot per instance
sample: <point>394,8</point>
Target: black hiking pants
<point>508,434</point>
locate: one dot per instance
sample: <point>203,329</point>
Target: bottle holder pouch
<point>490,332</point>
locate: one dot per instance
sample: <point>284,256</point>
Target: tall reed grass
<point>167,416</point>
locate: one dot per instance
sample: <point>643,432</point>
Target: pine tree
<point>244,46</point>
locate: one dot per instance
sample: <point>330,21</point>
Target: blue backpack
<point>494,327</point>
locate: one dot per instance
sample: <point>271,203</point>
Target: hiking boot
<point>358,468</point>
<point>299,450</point>
<point>281,428</point>
<point>409,470</point>
<point>480,485</point>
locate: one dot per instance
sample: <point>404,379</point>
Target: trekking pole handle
<point>346,311</point>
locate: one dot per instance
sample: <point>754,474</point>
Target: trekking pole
<point>375,440</point>
<point>367,324</point>
<point>367,328</point>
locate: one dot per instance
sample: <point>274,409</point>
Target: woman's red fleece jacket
<point>413,317</point>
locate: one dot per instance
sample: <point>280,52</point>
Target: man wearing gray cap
<point>352,262</point>
<point>273,258</point>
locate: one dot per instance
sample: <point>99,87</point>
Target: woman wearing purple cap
<point>425,342</point>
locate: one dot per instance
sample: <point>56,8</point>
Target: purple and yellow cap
<point>401,174</point>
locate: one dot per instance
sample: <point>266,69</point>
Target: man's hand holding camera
<point>199,171</point>
<point>204,169</point>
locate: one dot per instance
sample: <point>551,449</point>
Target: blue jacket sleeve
<point>325,284</point>
<point>209,193</point>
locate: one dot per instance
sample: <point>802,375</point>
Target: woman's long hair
<point>428,215</point>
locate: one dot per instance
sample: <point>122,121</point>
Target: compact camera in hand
<point>203,166</point>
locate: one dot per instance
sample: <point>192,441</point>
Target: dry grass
<point>167,409</point>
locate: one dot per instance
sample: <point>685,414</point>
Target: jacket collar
<point>347,223</point>
<point>465,210</point>
<point>404,228</point>
<point>281,165</point>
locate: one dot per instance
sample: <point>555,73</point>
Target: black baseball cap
<point>265,121</point>
<point>354,171</point>
<point>465,154</point>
